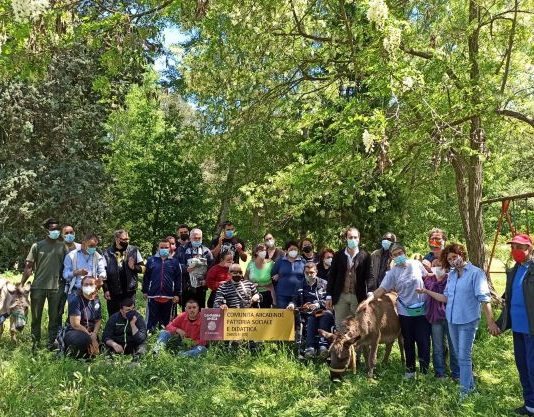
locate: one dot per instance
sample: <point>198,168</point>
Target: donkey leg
<point>371,359</point>
<point>387,352</point>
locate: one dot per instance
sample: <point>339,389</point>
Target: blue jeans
<point>440,333</point>
<point>325,322</point>
<point>282,301</point>
<point>462,338</point>
<point>524,360</point>
<point>165,336</point>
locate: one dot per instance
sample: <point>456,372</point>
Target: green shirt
<point>47,258</point>
<point>262,276</point>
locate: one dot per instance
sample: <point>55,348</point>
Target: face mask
<point>237,278</point>
<point>164,253</point>
<point>196,244</point>
<point>310,279</point>
<point>54,234</point>
<point>262,254</point>
<point>123,245</point>
<point>519,255</point>
<point>352,243</point>
<point>386,244</point>
<point>270,243</point>
<point>457,263</point>
<point>293,253</point>
<point>89,289</point>
<point>184,236</point>
<point>307,249</point>
<point>229,234</point>
<point>400,260</point>
<point>91,251</point>
<point>438,271</point>
<point>130,314</point>
<point>328,261</point>
<point>68,238</point>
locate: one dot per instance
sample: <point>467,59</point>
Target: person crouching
<point>85,317</point>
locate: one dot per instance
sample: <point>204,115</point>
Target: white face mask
<point>293,253</point>
<point>270,243</point>
<point>262,254</point>
<point>438,271</point>
<point>88,289</point>
<point>328,262</point>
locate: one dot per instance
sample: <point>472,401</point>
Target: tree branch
<point>516,115</point>
<point>420,54</point>
<point>509,49</point>
<point>301,31</point>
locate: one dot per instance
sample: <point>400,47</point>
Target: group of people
<point>439,298</point>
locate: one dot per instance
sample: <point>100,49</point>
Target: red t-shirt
<point>217,274</point>
<point>191,328</point>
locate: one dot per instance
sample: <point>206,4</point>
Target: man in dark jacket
<point>162,285</point>
<point>518,315</point>
<point>125,331</point>
<point>380,261</point>
<point>348,277</point>
<point>123,263</point>
<point>311,298</point>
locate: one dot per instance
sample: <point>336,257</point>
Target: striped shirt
<point>235,294</point>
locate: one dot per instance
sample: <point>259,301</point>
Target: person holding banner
<point>184,326</point>
<point>311,302</point>
<point>162,285</point>
<point>236,293</point>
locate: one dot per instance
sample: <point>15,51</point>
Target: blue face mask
<point>164,253</point>
<point>352,243</point>
<point>68,238</point>
<point>400,260</point>
<point>54,234</point>
<point>196,244</point>
<point>386,244</point>
<point>229,234</point>
<point>91,251</point>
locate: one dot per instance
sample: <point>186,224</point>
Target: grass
<point>271,383</point>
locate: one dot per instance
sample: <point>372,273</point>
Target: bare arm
<point>76,325</point>
<point>28,270</point>
<point>435,295</point>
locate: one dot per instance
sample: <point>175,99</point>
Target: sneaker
<point>323,352</point>
<point>409,375</point>
<point>522,411</point>
<point>309,353</point>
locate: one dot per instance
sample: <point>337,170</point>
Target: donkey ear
<point>326,335</point>
<point>11,287</point>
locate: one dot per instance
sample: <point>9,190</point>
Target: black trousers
<point>416,331</point>
<point>197,294</point>
<point>158,314</point>
<point>77,343</point>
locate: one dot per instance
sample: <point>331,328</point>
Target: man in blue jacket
<point>162,285</point>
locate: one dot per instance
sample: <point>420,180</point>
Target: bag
<point>414,310</point>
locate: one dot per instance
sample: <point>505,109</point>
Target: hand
<point>328,304</point>
<point>223,306</point>
<point>421,290</point>
<point>131,264</point>
<point>81,272</point>
<point>275,277</point>
<point>255,298</point>
<point>190,268</point>
<point>494,329</point>
<point>107,295</point>
<point>118,348</point>
<point>427,265</point>
<point>290,307</point>
<point>239,247</point>
<point>180,332</point>
<point>133,320</point>
<point>175,299</point>
<point>93,336</point>
<point>93,349</point>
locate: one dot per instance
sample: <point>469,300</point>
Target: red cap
<point>522,239</point>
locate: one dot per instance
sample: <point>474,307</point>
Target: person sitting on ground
<point>259,272</point>
<point>236,293</point>
<point>311,299</point>
<point>184,326</point>
<point>125,331</point>
<point>85,317</point>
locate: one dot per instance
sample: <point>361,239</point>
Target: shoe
<point>522,411</point>
<point>309,353</point>
<point>323,352</point>
<point>409,375</point>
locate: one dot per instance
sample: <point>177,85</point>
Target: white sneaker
<point>309,353</point>
<point>409,375</point>
<point>323,352</point>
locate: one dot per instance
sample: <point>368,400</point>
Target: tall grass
<point>222,383</point>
